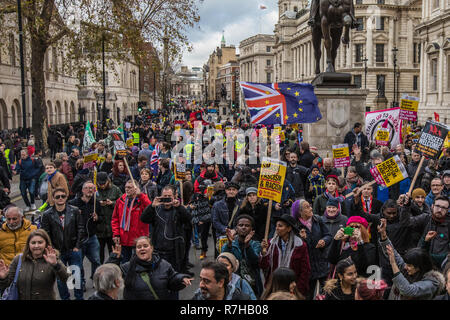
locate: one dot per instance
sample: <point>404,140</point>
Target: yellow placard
<point>409,105</point>
<point>271,179</point>
<point>180,171</point>
<point>218,126</point>
<point>177,127</point>
<point>382,135</point>
<point>390,172</point>
<point>295,126</point>
<point>341,153</point>
<point>90,157</point>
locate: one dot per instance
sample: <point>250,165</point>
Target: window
<point>359,1</point>
<point>358,52</point>
<point>380,1</point>
<point>268,62</point>
<point>268,49</point>
<point>381,79</point>
<point>357,80</point>
<point>379,52</point>
<point>360,22</point>
<point>83,79</point>
<point>379,23</point>
<point>269,77</point>
<point>416,83</point>
<point>433,74</point>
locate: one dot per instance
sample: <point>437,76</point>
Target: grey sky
<point>239,19</point>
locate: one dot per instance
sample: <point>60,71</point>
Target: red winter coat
<point>137,228</point>
<point>202,178</point>
<point>299,264</point>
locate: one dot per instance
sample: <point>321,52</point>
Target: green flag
<point>120,128</point>
<point>88,138</point>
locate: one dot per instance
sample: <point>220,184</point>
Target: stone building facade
<point>188,84</point>
<point>384,26</point>
<point>228,76</point>
<point>221,56</point>
<point>434,33</point>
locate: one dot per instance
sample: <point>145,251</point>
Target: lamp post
<point>104,81</point>
<point>365,71</point>
<point>394,51</point>
<point>22,69</point>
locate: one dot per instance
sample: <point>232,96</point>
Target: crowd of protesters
<point>327,238</point>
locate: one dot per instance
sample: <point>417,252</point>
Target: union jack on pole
<point>281,103</point>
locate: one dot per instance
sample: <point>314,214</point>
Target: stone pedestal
<point>223,108</point>
<point>381,103</point>
<point>340,109</point>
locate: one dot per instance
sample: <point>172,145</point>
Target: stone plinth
<point>381,103</point>
<point>340,109</point>
<point>223,106</point>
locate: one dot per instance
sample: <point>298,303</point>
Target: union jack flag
<point>281,103</point>
<point>154,161</point>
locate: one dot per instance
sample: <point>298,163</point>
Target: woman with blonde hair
<point>354,242</point>
<point>38,267</point>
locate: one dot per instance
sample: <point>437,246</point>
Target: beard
<point>205,294</point>
<point>14,227</point>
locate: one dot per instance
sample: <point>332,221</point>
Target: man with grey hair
<point>329,169</point>
<point>108,282</point>
<point>14,233</point>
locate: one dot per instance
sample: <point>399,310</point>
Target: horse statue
<point>333,18</point>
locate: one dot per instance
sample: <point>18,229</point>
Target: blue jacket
<point>318,258</point>
<point>429,200</point>
<point>28,168</point>
<point>221,216</point>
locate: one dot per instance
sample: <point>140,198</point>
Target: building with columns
<point>434,53</point>
<point>383,27</point>
<point>189,84</point>
<point>256,58</point>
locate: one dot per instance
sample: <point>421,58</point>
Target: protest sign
<point>382,137</point>
<point>389,172</point>
<point>408,108</point>
<point>127,125</point>
<point>88,138</point>
<point>271,179</point>
<point>89,159</point>
<point>432,139</point>
<point>180,171</point>
<point>375,119</point>
<point>130,143</point>
<point>118,143</point>
<point>341,155</point>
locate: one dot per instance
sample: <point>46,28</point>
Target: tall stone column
<point>369,43</point>
<point>410,48</point>
<point>441,75</point>
<point>391,43</point>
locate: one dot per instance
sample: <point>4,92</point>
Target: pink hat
<point>357,219</point>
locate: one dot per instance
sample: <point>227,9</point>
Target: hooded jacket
<point>202,177</point>
<point>13,242</point>
<point>137,227</point>
<point>104,229</point>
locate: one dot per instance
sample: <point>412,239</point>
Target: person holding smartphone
<point>168,217</point>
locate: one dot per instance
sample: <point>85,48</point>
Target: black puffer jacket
<point>69,237</point>
<point>163,278</point>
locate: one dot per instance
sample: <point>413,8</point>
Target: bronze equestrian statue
<point>328,20</point>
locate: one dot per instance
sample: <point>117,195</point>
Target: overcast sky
<point>238,18</point>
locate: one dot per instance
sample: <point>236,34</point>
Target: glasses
<point>357,226</point>
<point>441,207</point>
<point>61,196</point>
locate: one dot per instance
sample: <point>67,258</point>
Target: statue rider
<point>314,12</point>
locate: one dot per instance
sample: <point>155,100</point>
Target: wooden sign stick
<point>269,213</point>
<point>411,187</point>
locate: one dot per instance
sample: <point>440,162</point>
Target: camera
<point>348,231</point>
<point>166,200</point>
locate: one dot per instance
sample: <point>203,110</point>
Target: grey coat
<point>431,285</point>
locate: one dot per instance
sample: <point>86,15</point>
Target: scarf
<point>307,223</point>
<point>50,177</point>
<point>439,221</point>
<point>149,266</point>
<point>126,216</point>
<point>332,217</point>
<point>283,259</point>
<point>318,184</point>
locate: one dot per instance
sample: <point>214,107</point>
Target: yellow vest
<point>7,151</point>
<point>188,149</point>
<point>238,145</point>
<point>136,137</point>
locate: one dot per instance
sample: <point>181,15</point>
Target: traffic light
<point>141,105</point>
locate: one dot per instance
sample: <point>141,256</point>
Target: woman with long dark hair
<point>344,286</point>
<point>147,276</point>
<point>414,274</point>
<point>283,280</point>
<point>119,175</point>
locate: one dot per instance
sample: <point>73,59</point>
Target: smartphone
<point>348,231</point>
<point>166,200</point>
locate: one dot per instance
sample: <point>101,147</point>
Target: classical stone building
<point>384,25</point>
<point>228,76</point>
<point>434,53</point>
<point>189,84</point>
<point>221,56</point>
<point>256,58</point>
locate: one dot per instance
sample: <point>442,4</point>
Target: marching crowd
<point>331,237</point>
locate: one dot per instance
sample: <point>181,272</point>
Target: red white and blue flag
<point>154,161</point>
<point>281,103</point>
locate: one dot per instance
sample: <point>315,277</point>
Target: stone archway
<point>3,115</point>
<point>66,113</point>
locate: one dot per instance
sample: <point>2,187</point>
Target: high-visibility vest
<point>188,150</point>
<point>136,137</point>
<point>238,145</point>
<point>7,151</point>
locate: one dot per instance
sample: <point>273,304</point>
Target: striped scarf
<point>126,216</point>
<point>318,184</point>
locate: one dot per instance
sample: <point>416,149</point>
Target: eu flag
<point>281,103</point>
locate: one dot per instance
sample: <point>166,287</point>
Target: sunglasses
<point>357,227</point>
<point>62,196</point>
